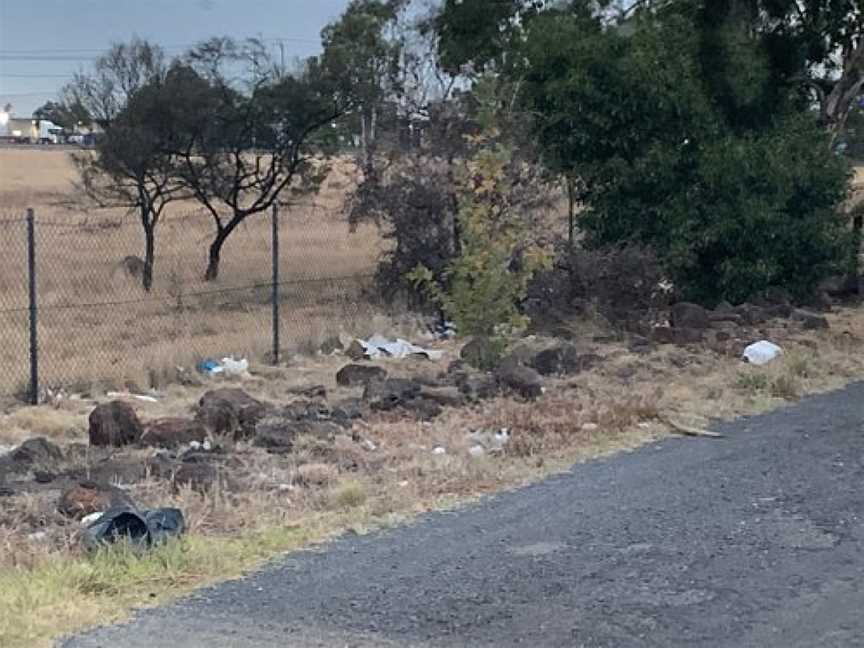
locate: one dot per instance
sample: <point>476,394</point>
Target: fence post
<point>275,295</point>
<point>31,271</point>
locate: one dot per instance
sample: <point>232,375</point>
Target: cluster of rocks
<point>693,324</point>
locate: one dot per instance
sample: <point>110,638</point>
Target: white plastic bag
<point>761,352</point>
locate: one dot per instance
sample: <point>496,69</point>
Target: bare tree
<point>124,95</point>
<point>244,130</point>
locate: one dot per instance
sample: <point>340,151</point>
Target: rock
<point>523,380</point>
<point>38,451</point>
<point>391,393</point>
<point>114,424</point>
<point>724,307</point>
<point>444,396</point>
<point>43,476</point>
<point>725,317</point>
<point>724,325</point>
<point>173,432</point>
<point>312,391</point>
<point>563,359</point>
<point>88,497</point>
<point>687,315</point>
<point>230,412</point>
<point>775,295</point>
<point>477,386</point>
<point>278,435</point>
<point>305,411</point>
<point>751,314</point>
<point>481,353</point>
<point>200,477</point>
<point>810,321</point>
<point>357,375</point>
<point>423,408</point>
<point>779,311</point>
<point>346,411</point>
<point>670,335</point>
<point>840,286</point>
<point>356,351</point>
<point>331,345</point>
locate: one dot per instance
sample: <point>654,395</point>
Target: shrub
<point>487,282</point>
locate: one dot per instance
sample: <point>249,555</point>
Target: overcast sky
<point>43,42</point>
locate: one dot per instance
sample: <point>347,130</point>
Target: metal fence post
<point>275,295</point>
<point>31,271</point>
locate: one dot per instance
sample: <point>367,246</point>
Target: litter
<point>439,450</point>
<point>491,440</point>
<point>142,529</point>
<point>141,397</point>
<point>210,367</point>
<point>476,450</point>
<point>762,352</point>
<point>232,367</point>
<point>378,346</point>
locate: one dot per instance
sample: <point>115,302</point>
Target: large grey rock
<point>278,435</point>
<point>523,380</point>
<point>481,353</point>
<point>230,412</point>
<point>680,336</point>
<point>359,375</point>
<point>114,424</point>
<point>687,315</point>
<point>173,432</point>
<point>37,451</point>
<point>391,393</point>
<point>810,321</point>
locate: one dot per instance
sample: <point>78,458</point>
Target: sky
<point>43,43</point>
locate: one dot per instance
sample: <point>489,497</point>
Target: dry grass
<point>48,587</point>
<point>78,263</point>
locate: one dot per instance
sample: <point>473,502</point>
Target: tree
<point>690,136</point>
<point>239,146</point>
<point>362,51</point>
<point>67,115</point>
<point>129,167</point>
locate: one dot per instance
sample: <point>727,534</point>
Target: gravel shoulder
<point>756,539</point>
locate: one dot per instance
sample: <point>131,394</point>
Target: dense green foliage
<point>689,139</point>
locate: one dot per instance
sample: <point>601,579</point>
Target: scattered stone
<point>439,450</point>
<point>312,391</point>
<point>357,375</point>
<point>525,381</point>
<point>564,359</point>
<point>38,451</point>
<point>444,396</point>
<point>356,351</point>
<point>331,345</point>
<point>590,427</point>
<point>477,387</point>
<point>725,317</point>
<point>230,412</point>
<point>810,321</point>
<point>89,497</point>
<point>691,316</point>
<point>114,424</point>
<point>279,435</point>
<point>316,474</point>
<point>476,451</point>
<point>423,408</point>
<point>384,395</point>
<point>751,314</point>
<point>43,476</point>
<point>779,311</point>
<point>173,432</point>
<point>346,411</point>
<point>200,477</point>
<point>682,336</point>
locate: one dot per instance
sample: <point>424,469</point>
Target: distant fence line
<point>69,312</point>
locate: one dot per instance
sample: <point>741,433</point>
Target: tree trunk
<point>571,212</point>
<point>149,256</point>
<point>215,255</point>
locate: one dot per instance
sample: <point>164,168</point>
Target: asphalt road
<point>755,540</point>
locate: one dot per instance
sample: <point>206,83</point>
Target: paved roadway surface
<point>755,540</point>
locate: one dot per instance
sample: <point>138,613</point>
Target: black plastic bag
<point>142,529</point>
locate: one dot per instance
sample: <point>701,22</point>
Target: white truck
<point>49,132</point>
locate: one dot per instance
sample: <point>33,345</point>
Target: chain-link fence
<point>94,322</point>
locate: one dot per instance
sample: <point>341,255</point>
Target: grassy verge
<point>49,588</point>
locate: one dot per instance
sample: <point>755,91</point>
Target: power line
<point>167,48</point>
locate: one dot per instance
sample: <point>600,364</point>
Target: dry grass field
<point>97,323</point>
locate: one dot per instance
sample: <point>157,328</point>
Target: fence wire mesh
<point>96,323</point>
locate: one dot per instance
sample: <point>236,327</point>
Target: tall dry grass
<point>96,322</point>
